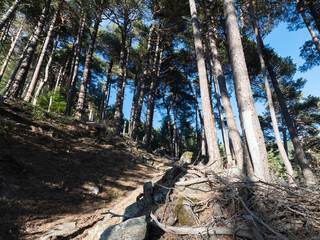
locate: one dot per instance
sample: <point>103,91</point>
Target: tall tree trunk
<point>9,13</point>
<point>42,54</point>
<point>274,120</point>
<point>298,148</point>
<point>105,92</point>
<point>4,33</point>
<point>151,97</point>
<point>87,64</point>
<point>25,65</point>
<point>231,121</point>
<point>169,130</point>
<point>136,120</point>
<point>55,88</point>
<point>248,114</point>
<point>300,7</point>
<point>75,63</point>
<point>46,75</point>
<point>137,89</point>
<point>314,12</point>
<point>118,103</point>
<point>208,117</point>
<point>12,46</point>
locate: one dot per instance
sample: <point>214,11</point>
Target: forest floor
<point>48,163</point>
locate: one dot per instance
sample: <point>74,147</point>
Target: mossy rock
<point>184,213</point>
<point>186,157</point>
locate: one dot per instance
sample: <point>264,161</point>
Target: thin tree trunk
<point>42,54</point>
<point>248,114</point>
<point>151,97</point>
<point>136,120</point>
<point>284,136</point>
<point>231,121</point>
<point>208,117</point>
<point>9,13</point>
<point>298,148</point>
<point>25,65</point>
<point>4,33</point>
<point>75,64</point>
<point>274,120</point>
<point>301,10</point>
<point>137,90</point>
<point>118,103</point>
<point>105,92</point>
<point>87,65</point>
<point>12,46</point>
<point>56,87</point>
<point>169,130</point>
<point>314,12</point>
<point>46,76</point>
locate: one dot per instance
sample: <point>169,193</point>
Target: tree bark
<point>12,46</point>
<point>9,13</point>
<point>42,54</point>
<point>298,148</point>
<point>46,76</point>
<point>300,7</point>
<point>248,115</point>
<point>75,63</point>
<point>151,97</point>
<point>105,92</point>
<point>231,121</point>
<point>208,117</point>
<point>274,120</point>
<point>314,12</point>
<point>25,65</point>
<point>136,120</point>
<point>87,64</point>
<point>119,99</point>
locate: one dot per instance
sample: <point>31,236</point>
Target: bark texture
<point>75,63</point>
<point>9,13</point>
<point>208,117</point>
<point>26,62</point>
<point>274,120</point>
<point>87,64</point>
<point>248,115</point>
<point>12,46</point>
<point>36,72</point>
<point>231,121</point>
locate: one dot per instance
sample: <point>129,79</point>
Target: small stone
<point>133,229</point>
<point>171,220</point>
<point>217,210</point>
<point>186,157</point>
<point>91,188</point>
<point>59,230</point>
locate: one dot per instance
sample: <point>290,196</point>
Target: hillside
<point>49,163</point>
<point>66,179</point>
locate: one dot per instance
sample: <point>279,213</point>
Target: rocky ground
<point>65,179</point>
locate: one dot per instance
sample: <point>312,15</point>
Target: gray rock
<point>171,220</point>
<point>217,210</point>
<point>186,157</point>
<point>91,188</point>
<point>132,229</point>
<point>184,213</point>
<point>59,230</point>
<point>134,210</point>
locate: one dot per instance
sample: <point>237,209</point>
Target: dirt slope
<point>46,162</point>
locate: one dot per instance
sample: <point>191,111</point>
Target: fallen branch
<point>192,181</point>
<point>115,215</point>
<point>202,230</point>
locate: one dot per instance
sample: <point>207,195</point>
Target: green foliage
<point>58,102</point>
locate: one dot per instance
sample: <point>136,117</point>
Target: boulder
<point>186,157</point>
<point>184,213</point>
<point>134,210</point>
<point>133,229</point>
<point>59,230</point>
<point>90,188</point>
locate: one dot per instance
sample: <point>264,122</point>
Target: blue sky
<point>285,43</point>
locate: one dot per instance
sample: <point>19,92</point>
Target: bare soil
<point>45,162</point>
